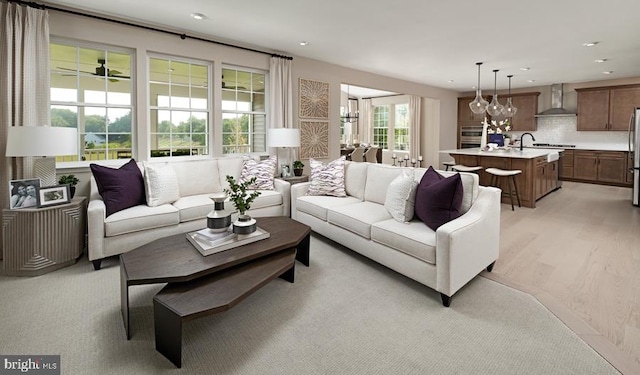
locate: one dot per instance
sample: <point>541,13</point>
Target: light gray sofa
<point>133,227</point>
<point>444,260</point>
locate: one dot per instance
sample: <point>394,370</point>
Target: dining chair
<point>371,155</point>
<point>357,154</point>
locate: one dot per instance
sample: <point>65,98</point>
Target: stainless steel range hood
<point>556,109</point>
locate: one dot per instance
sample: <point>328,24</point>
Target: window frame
<point>62,160</point>
<point>392,102</point>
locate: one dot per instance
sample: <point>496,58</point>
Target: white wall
<point>442,101</point>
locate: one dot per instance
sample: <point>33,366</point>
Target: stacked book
<point>208,242</point>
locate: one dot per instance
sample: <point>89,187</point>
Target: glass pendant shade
<point>509,109</point>
<point>478,105</point>
<point>495,108</point>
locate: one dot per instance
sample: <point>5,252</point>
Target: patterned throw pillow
<point>401,196</point>
<point>161,184</point>
<point>327,179</point>
<point>263,171</point>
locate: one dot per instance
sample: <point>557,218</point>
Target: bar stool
<point>464,168</point>
<point>448,164</point>
<point>496,173</point>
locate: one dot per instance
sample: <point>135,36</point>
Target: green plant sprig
<point>237,193</point>
<point>298,164</point>
<point>69,179</point>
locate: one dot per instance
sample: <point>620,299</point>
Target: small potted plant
<point>297,168</point>
<point>237,193</point>
<point>71,180</point>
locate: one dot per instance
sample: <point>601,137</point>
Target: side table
<point>295,179</point>
<point>40,240</point>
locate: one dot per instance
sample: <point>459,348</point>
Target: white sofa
<point>130,228</point>
<point>444,260</point>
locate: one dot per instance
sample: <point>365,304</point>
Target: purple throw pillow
<point>120,188</point>
<point>438,199</point>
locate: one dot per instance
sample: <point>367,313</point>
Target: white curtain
<point>415,104</point>
<point>24,83</point>
<point>366,119</point>
<point>281,95</point>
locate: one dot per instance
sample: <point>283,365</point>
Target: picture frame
<point>313,101</point>
<point>53,195</point>
<point>23,193</point>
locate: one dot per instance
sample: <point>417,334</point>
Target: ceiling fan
<point>224,86</point>
<point>113,74</point>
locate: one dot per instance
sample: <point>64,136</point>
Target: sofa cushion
<point>263,171</point>
<point>358,217</point>
<point>161,184</point>
<point>438,199</point>
<point>379,177</point>
<point>327,179</point>
<point>355,175</point>
<point>229,166</point>
<point>267,198</point>
<point>401,196</point>
<point>318,205</point>
<point>411,238</point>
<point>195,207</point>
<point>197,176</point>
<point>120,188</point>
<point>139,218</point>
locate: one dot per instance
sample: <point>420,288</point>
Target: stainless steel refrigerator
<point>634,149</point>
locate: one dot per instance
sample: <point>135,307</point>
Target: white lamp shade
<point>41,141</point>
<point>284,137</point>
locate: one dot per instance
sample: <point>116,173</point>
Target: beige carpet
<point>343,315</point>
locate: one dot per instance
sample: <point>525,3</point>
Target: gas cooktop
<point>552,145</point>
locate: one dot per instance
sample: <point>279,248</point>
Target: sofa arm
<point>284,188</point>
<point>96,214</point>
<point>297,190</point>
<point>468,244</point>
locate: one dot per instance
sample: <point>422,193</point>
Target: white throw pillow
<point>401,198</point>
<point>327,179</point>
<point>161,184</point>
<point>263,171</point>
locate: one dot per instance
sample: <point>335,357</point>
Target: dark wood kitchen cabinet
<point>607,108</point>
<point>465,116</point>
<point>606,167</point>
<point>525,117</point>
<point>566,171</point>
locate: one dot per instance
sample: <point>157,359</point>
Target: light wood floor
<point>580,250</point>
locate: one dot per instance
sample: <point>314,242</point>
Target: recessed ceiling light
<point>608,72</point>
<point>304,43</point>
<point>531,80</point>
<point>525,69</point>
<point>589,44</point>
<point>198,16</point>
<point>450,81</point>
<point>599,61</point>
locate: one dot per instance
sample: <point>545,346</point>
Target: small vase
<point>219,219</point>
<point>483,141</point>
<point>244,225</point>
<point>298,171</point>
<point>72,191</point>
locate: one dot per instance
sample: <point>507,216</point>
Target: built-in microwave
<point>470,136</point>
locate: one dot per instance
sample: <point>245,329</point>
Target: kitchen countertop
<point>526,153</point>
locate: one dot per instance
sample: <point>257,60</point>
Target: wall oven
<point>470,136</point>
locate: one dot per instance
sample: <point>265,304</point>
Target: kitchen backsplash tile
<point>563,130</point>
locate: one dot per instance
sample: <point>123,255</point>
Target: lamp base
<point>45,169</point>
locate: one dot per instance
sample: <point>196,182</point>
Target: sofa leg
<point>446,300</point>
<point>96,264</point>
<point>490,267</point>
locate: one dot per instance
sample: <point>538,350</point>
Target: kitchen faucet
<point>522,136</point>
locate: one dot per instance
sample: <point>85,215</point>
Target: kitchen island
<point>539,174</point>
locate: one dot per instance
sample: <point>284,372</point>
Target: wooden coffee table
<point>175,261</point>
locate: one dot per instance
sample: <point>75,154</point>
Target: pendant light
<point>350,116</point>
<point>478,105</point>
<point>509,109</point>
<point>495,108</point>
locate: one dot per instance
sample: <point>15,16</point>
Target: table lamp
<point>45,141</point>
<point>284,137</point>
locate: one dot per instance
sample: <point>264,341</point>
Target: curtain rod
<point>182,36</point>
<point>383,96</point>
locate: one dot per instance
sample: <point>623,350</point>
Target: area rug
<point>343,315</point>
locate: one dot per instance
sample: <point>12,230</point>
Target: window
<point>381,126</point>
<point>244,117</point>
<point>179,107</point>
<point>391,124</point>
<point>91,90</point>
